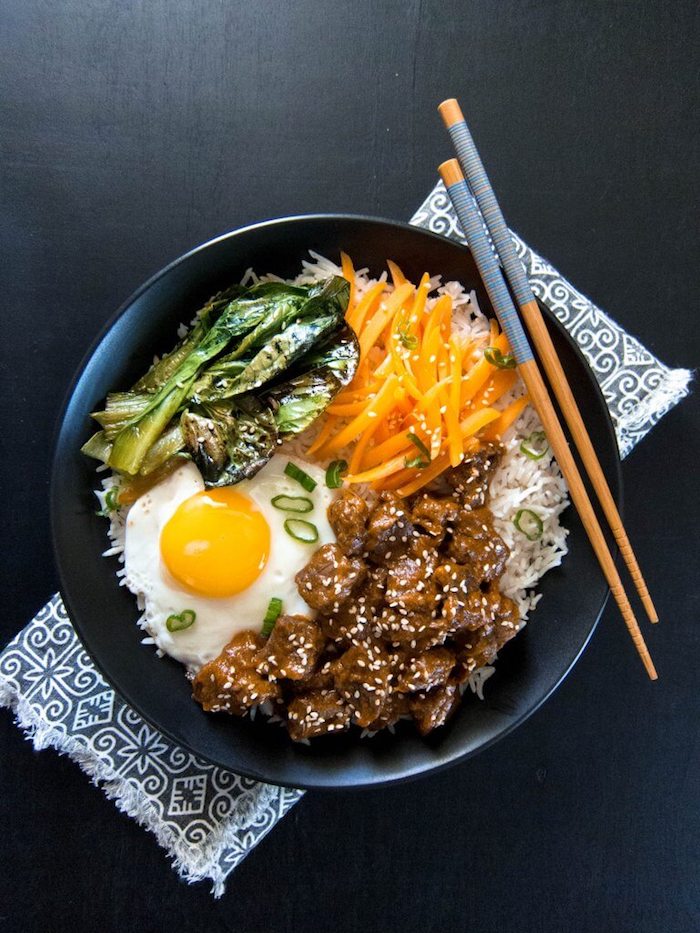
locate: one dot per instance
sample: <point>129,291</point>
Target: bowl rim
<point>411,773</point>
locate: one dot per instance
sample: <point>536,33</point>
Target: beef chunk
<point>351,624</point>
<point>480,646</point>
<point>470,480</point>
<point>472,611</point>
<point>320,679</point>
<point>433,514</point>
<point>389,529</point>
<point>506,621</point>
<point>453,578</point>
<point>476,544</point>
<point>408,587</point>
<point>413,630</point>
<point>424,547</point>
<point>362,676</point>
<point>395,707</point>
<point>293,648</point>
<point>348,516</point>
<point>433,709</point>
<point>316,713</point>
<point>427,670</point>
<point>231,682</point>
<point>476,524</point>
<point>355,621</point>
<point>329,578</point>
<point>373,594</point>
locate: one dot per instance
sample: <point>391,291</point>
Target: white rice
<point>519,482</point>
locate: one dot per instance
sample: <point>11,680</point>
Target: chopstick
<point>481,189</point>
<point>498,293</point>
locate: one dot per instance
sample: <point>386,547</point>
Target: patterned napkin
<point>206,818</point>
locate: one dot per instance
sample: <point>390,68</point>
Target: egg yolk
<point>216,543</point>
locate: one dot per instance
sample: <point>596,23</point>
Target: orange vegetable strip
<point>395,480</point>
<point>382,433</point>
<point>379,406</point>
<point>480,372</point>
<point>431,395</point>
<point>389,448</point>
<point>421,297</point>
<point>435,316</point>
<point>400,361</point>
<point>355,393</point>
<point>454,438</point>
<point>349,274</point>
<point>384,469</point>
<point>455,372</point>
<point>374,327</point>
<point>322,436</point>
<point>493,329</point>
<point>359,450</point>
<point>347,410</point>
<point>508,416</point>
<point>397,276</point>
<point>437,467</point>
<point>500,383</point>
<point>365,306</point>
<point>452,413</point>
<point>478,420</point>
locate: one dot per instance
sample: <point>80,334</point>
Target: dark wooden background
<point>132,131</point>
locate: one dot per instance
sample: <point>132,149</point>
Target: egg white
<point>219,619</point>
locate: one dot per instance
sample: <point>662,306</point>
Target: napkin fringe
<point>193,862</point>
<point>672,389</point>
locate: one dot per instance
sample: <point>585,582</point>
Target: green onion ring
<point>301,530</point>
<point>298,504</point>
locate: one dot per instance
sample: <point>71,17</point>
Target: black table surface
<point>132,131</point>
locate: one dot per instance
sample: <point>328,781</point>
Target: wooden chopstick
<point>480,186</point>
<point>489,269</point>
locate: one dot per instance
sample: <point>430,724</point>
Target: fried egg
<point>220,553</point>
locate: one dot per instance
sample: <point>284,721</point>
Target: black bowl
<point>104,614</point>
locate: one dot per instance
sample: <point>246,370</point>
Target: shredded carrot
<point>480,372</point>
<point>379,320</point>
<point>415,376</point>
<point>378,472</point>
<point>397,276</point>
<point>506,419</point>
<point>379,406</point>
<point>349,274</point>
<point>500,383</point>
<point>365,306</point>
<point>322,436</point>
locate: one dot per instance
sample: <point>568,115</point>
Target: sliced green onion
<point>494,356</point>
<point>111,501</point>
<point>535,446</point>
<point>333,473</point>
<point>302,478</point>
<point>528,523</point>
<point>293,504</point>
<point>414,439</point>
<point>274,610</point>
<point>176,623</point>
<point>410,341</point>
<point>301,530</point>
<point>417,462</point>
<point>421,461</point>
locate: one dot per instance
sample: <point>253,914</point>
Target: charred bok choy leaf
<point>238,317</point>
<point>300,400</point>
<point>229,441</point>
<point>319,317</point>
<point>259,364</point>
